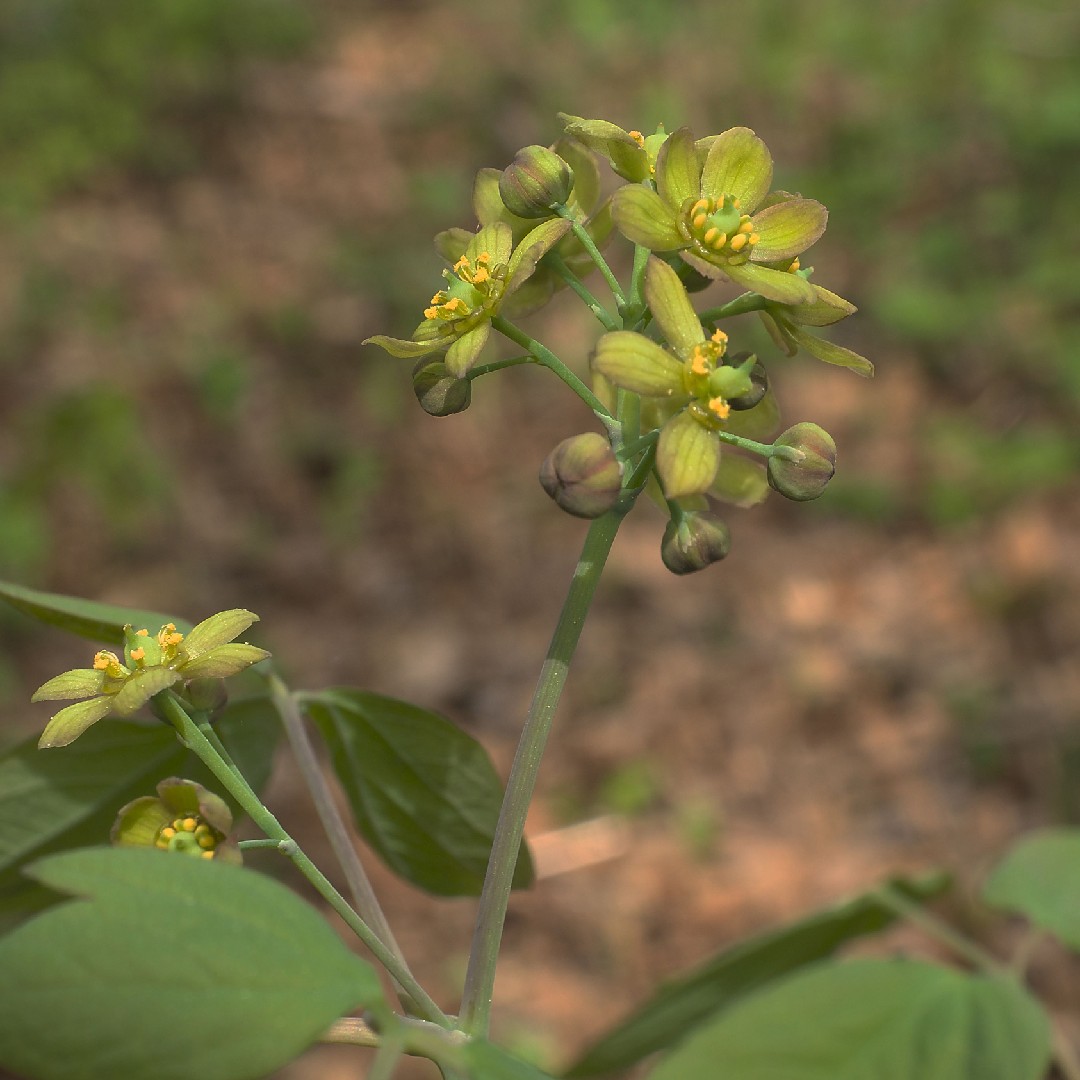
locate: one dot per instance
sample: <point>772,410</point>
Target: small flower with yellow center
<point>689,377</point>
<point>632,155</point>
<point>150,664</point>
<point>482,278</point>
<point>712,205</point>
<point>185,819</point>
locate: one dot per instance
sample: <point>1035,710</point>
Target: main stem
<point>480,977</point>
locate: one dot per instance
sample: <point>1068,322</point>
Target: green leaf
<point>170,968</point>
<point>487,1061</point>
<point>86,618</point>
<point>1040,879</point>
<point>68,797</point>
<point>873,1020</point>
<point>684,1003</point>
<point>423,793</point>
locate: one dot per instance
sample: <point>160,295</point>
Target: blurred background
<point>205,207</point>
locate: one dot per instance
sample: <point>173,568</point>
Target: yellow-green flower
<point>481,280</point>
<point>584,203</point>
<point>149,665</point>
<point>688,377</point>
<point>712,204</point>
<point>632,155</point>
<point>185,818</point>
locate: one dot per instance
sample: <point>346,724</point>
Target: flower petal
<point>451,243</point>
<point>788,228</point>
<point>702,266</point>
<point>141,687</point>
<point>778,285</point>
<point>678,174</point>
<point>638,364</point>
<point>139,822</point>
<point>781,338</point>
<point>464,353</point>
<point>827,308</point>
<point>644,218</point>
<point>223,661</point>
<point>831,353</point>
<point>671,306</point>
<point>68,724</point>
<point>533,247</point>
<point>738,164</point>
<point>496,239</point>
<point>409,350</point>
<point>740,481</point>
<point>627,156</point>
<point>71,685</point>
<point>687,456</point>
<point>215,631</point>
<point>188,797</point>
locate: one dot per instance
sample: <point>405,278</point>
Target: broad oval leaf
<point>423,794</point>
<point>87,618</point>
<point>170,968</point>
<point>68,797</point>
<point>1040,879</point>
<point>688,1001</point>
<point>873,1020</point>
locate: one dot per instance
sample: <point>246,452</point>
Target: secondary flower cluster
<point>697,210</point>
<point>150,664</point>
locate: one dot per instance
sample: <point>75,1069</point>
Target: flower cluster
<point>698,211</point>
<point>150,664</point>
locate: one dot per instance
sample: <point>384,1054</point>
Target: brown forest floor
<point>837,701</point>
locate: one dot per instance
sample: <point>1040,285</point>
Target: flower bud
<point>694,541</point>
<point>535,181</point>
<point>206,695</point>
<point>583,475</point>
<point>803,479</point>
<point>439,392</point>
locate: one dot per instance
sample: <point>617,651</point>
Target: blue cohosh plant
<point>129,962</point>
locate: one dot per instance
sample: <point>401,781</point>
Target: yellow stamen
<point>754,238</point>
<point>103,659</point>
<point>637,137</point>
<point>698,221</point>
<point>483,258</point>
<point>719,408</point>
<point>138,654</point>
<point>702,206</point>
<point>794,265</point>
<point>206,843</point>
<point>461,264</point>
<point>698,364</point>
<point>745,225</point>
<point>167,833</point>
<point>714,237</point>
<point>431,313</point>
<point>189,824</point>
<point>738,241</point>
<point>481,275</point>
<point>207,854</point>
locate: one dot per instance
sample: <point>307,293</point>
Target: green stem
<point>739,306</point>
<point>254,845</point>
<point>498,365</point>
<point>893,899</point>
<point>333,824</point>
<point>789,453</point>
<point>548,359</point>
<point>558,264</point>
<point>238,788</point>
<point>589,245</point>
<point>480,977</point>
<point>637,278</point>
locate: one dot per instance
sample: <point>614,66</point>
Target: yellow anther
<point>719,408</point>
<point>738,241</point>
<point>167,833</point>
<point>754,238</point>
<point>698,364</point>
<point>190,823</point>
<point>462,263</point>
<point>745,225</point>
<point>719,337</point>
<point>178,824</point>
<point>207,842</point>
<point>207,854</point>
<point>162,844</point>
<point>138,654</point>
<point>483,258</point>
<point>637,137</point>
<point>794,265</point>
<point>480,276</point>
<point>431,313</point>
<point>714,238</point>
<point>103,659</point>
<point>702,206</point>
<point>142,633</point>
<point>736,203</point>
<point>698,221</point>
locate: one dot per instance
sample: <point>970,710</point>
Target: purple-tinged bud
<point>439,392</point>
<point>694,541</point>
<point>583,475</point>
<point>806,477</point>
<point>535,181</point>
<point>759,383</point>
